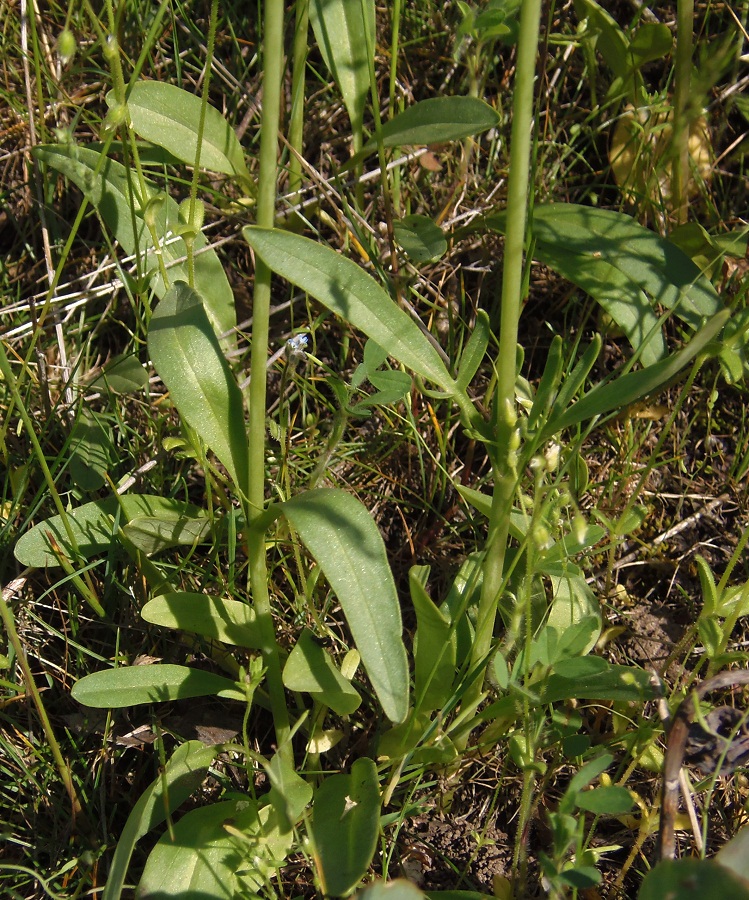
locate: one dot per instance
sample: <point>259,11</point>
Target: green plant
<point>514,631</point>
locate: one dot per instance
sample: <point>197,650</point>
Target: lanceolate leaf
<point>188,357</point>
<point>653,263</point>
<point>341,535</point>
<point>437,120</point>
<point>626,268</point>
<point>230,621</point>
<point>169,117</point>
<point>351,293</point>
<point>203,860</point>
<point>343,29</point>
<point>114,192</point>
<point>309,668</point>
<point>132,685</point>
<point>94,528</point>
<point>182,775</point>
<point>345,825</point>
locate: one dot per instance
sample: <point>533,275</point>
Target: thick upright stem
<point>266,204</point>
<point>504,455</point>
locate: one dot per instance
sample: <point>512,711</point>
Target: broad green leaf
<point>582,779</point>
<point>436,121</point>
<point>374,357</point>
<point>347,290</point>
<point>458,895</point>
<point>434,649</point>
<point>651,41</point>
<point>626,268</point>
<point>392,386</point>
<point>169,117</point>
<point>207,860</point>
<point>182,775</point>
<point>342,537</point>
<point>94,530</point>
<point>345,827</point>
<point>229,621</point>
<point>188,357</point>
<point>621,392</point>
<point>422,239</point>
<point>152,534</point>
<point>309,668</point>
<point>114,191</point>
<point>91,451</point>
<point>608,800</point>
<point>693,879</point>
<point>735,854</point>
<point>121,374</point>
<point>708,586</point>
<point>343,29</point>
<point>611,41</point>
<point>574,603</point>
<point>132,685</point>
<point>647,260</point>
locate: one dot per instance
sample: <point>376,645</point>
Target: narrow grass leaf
<point>94,528</point>
<point>169,116</point>
<point>347,290</point>
<point>189,359</point>
<point>345,826</point>
<point>229,621</point>
<point>132,685</point>
<point>111,188</point>
<point>182,775</point>
<point>342,537</point>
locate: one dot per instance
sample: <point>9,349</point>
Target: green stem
<point>682,76</point>
<point>504,454</point>
<point>266,204</point>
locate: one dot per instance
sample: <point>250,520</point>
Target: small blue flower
<point>295,347</point>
